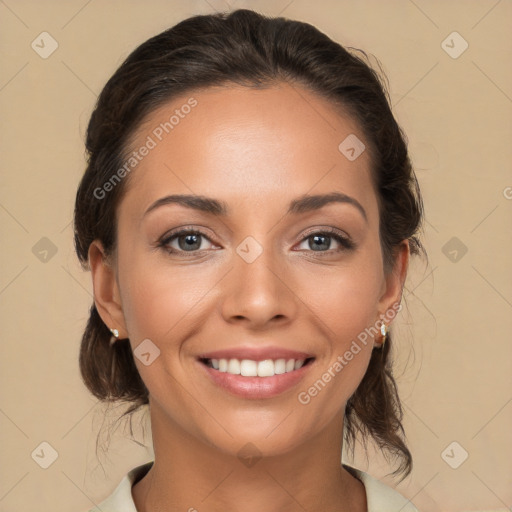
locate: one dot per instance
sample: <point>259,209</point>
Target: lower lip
<point>256,387</point>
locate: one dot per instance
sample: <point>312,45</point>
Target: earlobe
<point>105,289</point>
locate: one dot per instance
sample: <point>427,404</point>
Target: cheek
<point>346,298</point>
<point>161,304</point>
<point>156,298</point>
<point>346,303</point>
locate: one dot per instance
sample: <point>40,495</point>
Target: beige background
<point>454,337</point>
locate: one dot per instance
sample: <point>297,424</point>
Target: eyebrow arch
<point>300,205</point>
<point>308,203</point>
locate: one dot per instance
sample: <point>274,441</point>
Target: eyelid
<point>192,228</point>
<point>325,230</point>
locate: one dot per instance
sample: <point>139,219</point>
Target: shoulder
<point>379,496</point>
<point>121,499</point>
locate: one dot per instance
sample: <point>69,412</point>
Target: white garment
<point>379,497</point>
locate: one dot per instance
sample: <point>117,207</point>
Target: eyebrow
<point>300,205</point>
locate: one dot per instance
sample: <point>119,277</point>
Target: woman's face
<point>266,279</point>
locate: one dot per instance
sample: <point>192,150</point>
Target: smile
<point>255,379</point>
<point>252,368</point>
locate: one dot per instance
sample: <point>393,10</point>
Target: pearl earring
<point>384,332</point>
<point>115,335</point>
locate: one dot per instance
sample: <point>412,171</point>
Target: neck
<point>191,475</point>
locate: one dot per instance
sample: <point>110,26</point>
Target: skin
<point>256,150</point>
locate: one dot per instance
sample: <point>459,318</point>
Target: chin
<point>259,438</point>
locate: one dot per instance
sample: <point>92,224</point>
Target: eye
<point>321,241</point>
<point>194,241</point>
<point>185,240</point>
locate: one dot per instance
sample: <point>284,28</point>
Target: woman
<point>247,214</point>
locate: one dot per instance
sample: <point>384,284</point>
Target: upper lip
<point>255,353</point>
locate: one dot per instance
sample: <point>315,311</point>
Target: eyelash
<point>345,243</point>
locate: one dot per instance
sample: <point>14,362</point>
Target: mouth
<point>252,368</point>
<point>255,379</point>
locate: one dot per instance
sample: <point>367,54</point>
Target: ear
<point>106,290</point>
<point>394,282</point>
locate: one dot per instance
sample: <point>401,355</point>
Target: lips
<point>262,372</point>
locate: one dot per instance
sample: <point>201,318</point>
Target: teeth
<point>234,366</point>
<point>280,366</point>
<point>266,368</point>
<point>250,368</point>
<point>298,364</point>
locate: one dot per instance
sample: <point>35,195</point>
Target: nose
<point>258,294</point>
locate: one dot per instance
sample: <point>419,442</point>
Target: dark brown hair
<point>246,48</point>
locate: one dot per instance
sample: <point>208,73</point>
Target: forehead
<point>237,143</point>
